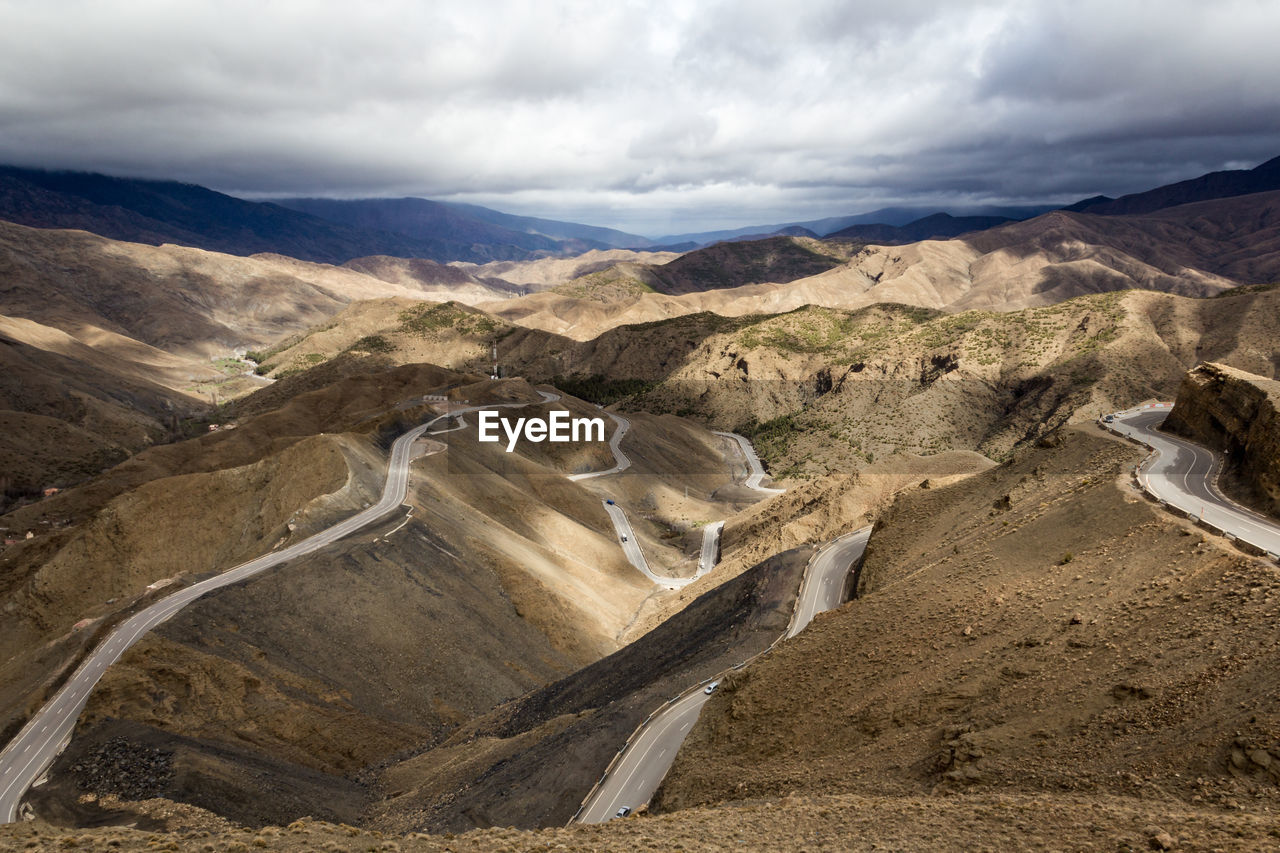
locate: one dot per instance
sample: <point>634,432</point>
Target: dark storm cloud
<point>651,116</point>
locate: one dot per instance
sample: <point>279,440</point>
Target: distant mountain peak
<point>153,211</point>
<point>1224,184</point>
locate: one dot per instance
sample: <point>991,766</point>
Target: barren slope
<point>1192,250</point>
<point>823,390</point>
<point>1035,630</point>
<point>115,341</point>
<point>544,273</point>
<point>503,576</point>
<point>176,509</point>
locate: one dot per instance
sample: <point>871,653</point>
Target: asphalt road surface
<point>710,536</point>
<point>823,585</point>
<point>753,462</point>
<point>1184,475</point>
<point>630,547</point>
<point>710,547</point>
<point>33,750</point>
<point>646,759</point>
<point>620,459</point>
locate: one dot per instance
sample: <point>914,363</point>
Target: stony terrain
<point>529,763</point>
<point>822,390</point>
<point>107,348</point>
<point>281,679</point>
<point>1038,630</point>
<point>179,509</point>
<point>840,822</point>
<point>545,273</point>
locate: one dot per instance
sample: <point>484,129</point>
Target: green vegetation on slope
<point>429,318</point>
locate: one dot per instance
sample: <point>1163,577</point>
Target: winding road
<point>1184,475</point>
<point>631,548</point>
<point>33,750</point>
<point>710,554</point>
<point>644,761</point>
<point>710,535</point>
<point>753,463</point>
<point>620,459</point>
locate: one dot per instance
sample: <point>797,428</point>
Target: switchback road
<point>620,459</point>
<point>35,747</point>
<point>631,548</point>
<point>753,463</point>
<point>710,536</point>
<point>649,754</point>
<point>1185,475</point>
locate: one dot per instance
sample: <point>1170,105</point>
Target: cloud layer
<point>656,116</point>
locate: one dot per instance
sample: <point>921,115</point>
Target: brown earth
<point>844,822</point>
<point>927,699</point>
<point>1037,630</point>
<point>544,273</point>
<point>822,390</point>
<point>1191,250</point>
<point>114,341</point>
<point>531,762</point>
<point>174,511</point>
<point>70,408</point>
<point>185,301</point>
<point>434,280</point>
<point>723,265</point>
<point>392,639</point>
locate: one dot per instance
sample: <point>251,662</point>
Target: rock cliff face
<point>1238,413</point>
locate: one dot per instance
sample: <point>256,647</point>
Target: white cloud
<point>723,112</point>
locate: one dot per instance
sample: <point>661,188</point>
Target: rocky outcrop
<point>1239,414</point>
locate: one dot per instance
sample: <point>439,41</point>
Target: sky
<point>652,117</point>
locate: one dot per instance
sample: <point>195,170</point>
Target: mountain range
<point>1032,647</point>
<point>336,231</point>
<point>1225,184</point>
<point>157,212</point>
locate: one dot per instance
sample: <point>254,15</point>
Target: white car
<point>623,812</point>
<point>711,688</point>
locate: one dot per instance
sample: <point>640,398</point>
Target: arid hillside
<point>502,576</point>
<point>544,273</point>
<point>177,510</point>
<point>108,347</point>
<point>1191,250</point>
<point>1038,630</point>
<point>184,301</point>
<point>70,409</point>
<point>1039,659</point>
<point>1033,644</point>
<point>822,390</point>
<point>442,281</point>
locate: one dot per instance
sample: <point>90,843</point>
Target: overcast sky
<point>653,117</point>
